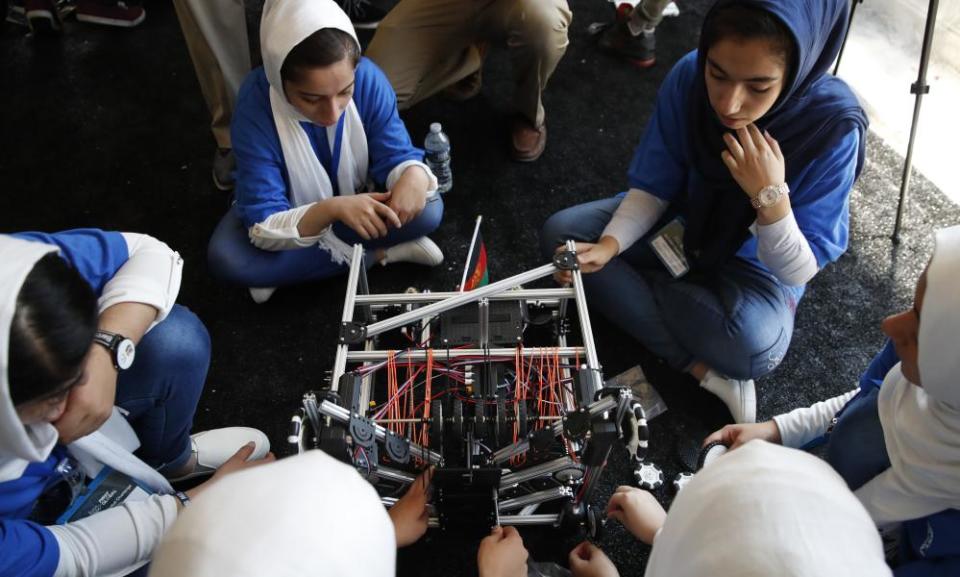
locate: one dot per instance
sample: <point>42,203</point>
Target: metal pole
<point>548,468</point>
<point>549,294</point>
<point>846,36</point>
<point>919,88</point>
<point>586,329</point>
<point>515,520</point>
<point>460,299</point>
<point>535,498</point>
<point>530,520</point>
<point>421,354</point>
<point>395,475</point>
<point>340,362</point>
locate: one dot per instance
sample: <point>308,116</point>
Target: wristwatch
<point>769,195</point>
<point>122,350</point>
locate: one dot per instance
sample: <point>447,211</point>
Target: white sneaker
<point>418,251</point>
<point>739,396</point>
<point>213,448</point>
<point>262,294</point>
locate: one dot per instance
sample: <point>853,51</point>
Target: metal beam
<point>432,297</point>
<point>442,354</point>
<point>460,299</point>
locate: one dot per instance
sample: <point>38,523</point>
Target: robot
<point>483,386</point>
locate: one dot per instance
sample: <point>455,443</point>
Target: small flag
<point>475,272</point>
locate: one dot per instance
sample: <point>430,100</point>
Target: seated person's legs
<point>633,36</point>
<point>536,35</point>
<point>738,322</point>
<point>232,258</point>
<point>583,223</point>
<point>162,388</point>
<point>424,46</point>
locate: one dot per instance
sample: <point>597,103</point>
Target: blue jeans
<point>738,321</point>
<point>857,450</point>
<point>162,388</point>
<point>232,258</point>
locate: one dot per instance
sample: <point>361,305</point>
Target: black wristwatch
<point>122,350</point>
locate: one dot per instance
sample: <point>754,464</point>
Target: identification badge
<point>109,489</point>
<point>667,244</point>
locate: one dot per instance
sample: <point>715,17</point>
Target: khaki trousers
<point>216,36</point>
<point>424,46</point>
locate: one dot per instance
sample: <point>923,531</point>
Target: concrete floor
<point>107,128</point>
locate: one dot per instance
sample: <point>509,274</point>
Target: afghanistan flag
<point>475,273</point>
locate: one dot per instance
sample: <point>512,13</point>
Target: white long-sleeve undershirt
<point>280,231</point>
<point>800,426</point>
<point>638,212</point>
<point>781,245</point>
<point>114,541</point>
<point>150,276</point>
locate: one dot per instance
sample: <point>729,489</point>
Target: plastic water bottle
<point>437,146</point>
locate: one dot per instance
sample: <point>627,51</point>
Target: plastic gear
<point>648,476</point>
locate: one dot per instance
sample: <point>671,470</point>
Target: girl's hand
<point>592,257</point>
<point>587,560</point>
<point>502,554</point>
<point>638,511</point>
<point>366,213</point>
<point>754,159</point>
<point>735,435</point>
<point>409,514</point>
<point>409,194</point>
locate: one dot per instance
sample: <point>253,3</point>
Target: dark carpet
<point>107,128</point>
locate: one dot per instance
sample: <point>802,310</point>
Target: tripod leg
<point>919,88</point>
<point>853,10</point>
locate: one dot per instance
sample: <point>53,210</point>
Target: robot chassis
<point>551,444</point>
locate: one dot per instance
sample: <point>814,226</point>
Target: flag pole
<point>473,242</point>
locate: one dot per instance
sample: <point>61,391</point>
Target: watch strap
<point>111,341</point>
<point>183,498</point>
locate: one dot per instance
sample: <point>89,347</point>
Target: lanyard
<point>332,162</point>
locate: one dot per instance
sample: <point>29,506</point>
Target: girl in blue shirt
<point>97,358</point>
<point>749,156</point>
<point>316,128</point>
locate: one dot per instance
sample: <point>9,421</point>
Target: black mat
<point>107,128</point>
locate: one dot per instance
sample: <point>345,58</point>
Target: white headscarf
<point>921,425</point>
<point>285,24</point>
<point>766,510</point>
<point>301,516</point>
<point>19,445</point>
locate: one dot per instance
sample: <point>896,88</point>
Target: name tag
<point>109,489</point>
<point>667,244</point>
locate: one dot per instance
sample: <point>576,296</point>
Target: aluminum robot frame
<point>474,485</point>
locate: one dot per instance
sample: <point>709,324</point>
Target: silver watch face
<point>769,195</point>
<point>126,351</point>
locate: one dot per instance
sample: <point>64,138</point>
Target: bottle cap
<point>435,127</point>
